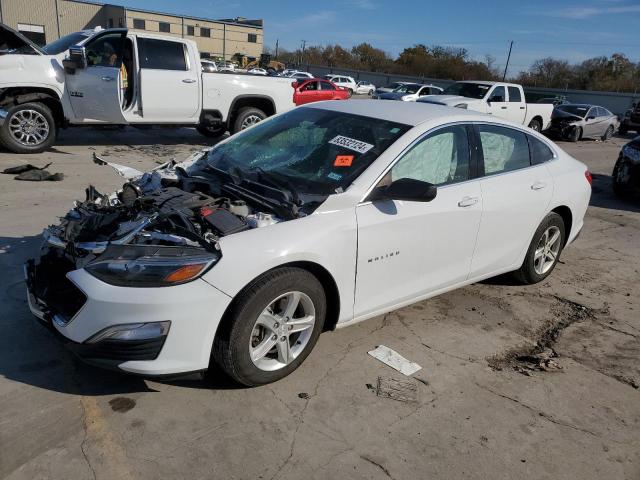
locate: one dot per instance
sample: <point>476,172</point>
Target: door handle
<point>189,80</point>
<point>521,108</point>
<point>468,201</point>
<point>538,185</point>
<point>108,79</point>
<point>503,108</point>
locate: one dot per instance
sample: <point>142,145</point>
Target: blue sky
<point>571,30</point>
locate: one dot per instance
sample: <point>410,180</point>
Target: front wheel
<point>576,134</point>
<point>28,128</point>
<point>544,250</point>
<point>350,92</point>
<point>271,327</point>
<point>535,125</point>
<point>247,117</point>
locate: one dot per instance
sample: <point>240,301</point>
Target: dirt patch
<point>540,355</point>
<point>122,404</point>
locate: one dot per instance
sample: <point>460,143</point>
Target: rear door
<point>592,123</point>
<point>308,93</point>
<point>169,81</point>
<point>327,91</point>
<point>95,92</point>
<point>407,249</point>
<point>516,107</point>
<point>515,193</point>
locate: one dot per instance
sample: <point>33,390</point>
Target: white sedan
<point>258,71</point>
<point>314,219</point>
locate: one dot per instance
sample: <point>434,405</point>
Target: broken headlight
<point>151,266</point>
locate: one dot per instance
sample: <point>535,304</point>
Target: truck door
<point>497,102</point>
<point>94,92</point>
<point>169,81</point>
<point>516,106</point>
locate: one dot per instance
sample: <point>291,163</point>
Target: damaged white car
<point>317,218</point>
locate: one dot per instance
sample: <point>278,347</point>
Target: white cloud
<point>579,13</point>
<point>363,4</point>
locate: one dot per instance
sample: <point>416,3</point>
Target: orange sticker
<point>343,161</point>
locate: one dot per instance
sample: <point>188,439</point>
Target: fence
<point>617,103</point>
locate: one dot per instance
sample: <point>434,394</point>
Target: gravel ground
<point>487,403</point>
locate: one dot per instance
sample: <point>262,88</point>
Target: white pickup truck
<point>118,77</point>
<point>505,100</point>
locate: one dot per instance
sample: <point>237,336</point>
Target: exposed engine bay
<point>187,205</point>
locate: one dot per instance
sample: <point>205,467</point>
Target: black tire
<point>370,92</point>
<point>209,131</point>
<point>231,346</point>
<point>350,90</point>
<point>527,273</point>
<point>619,188</point>
<point>576,135</point>
<point>608,134</point>
<point>44,114</point>
<point>244,114</point>
<point>535,125</point>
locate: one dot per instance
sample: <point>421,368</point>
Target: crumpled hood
<point>450,100</point>
<point>12,42</point>
<point>563,116</point>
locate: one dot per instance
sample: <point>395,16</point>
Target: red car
<point>317,89</point>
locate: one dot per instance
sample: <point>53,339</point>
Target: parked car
<point>208,67</point>
<point>231,257</point>
<point>365,88</point>
<point>343,81</point>
<point>505,100</point>
<point>626,172</point>
<point>316,90</point>
<point>555,101</point>
<point>257,71</point>
<point>301,75</point>
<point>410,92</point>
<point>389,88</point>
<point>577,121</point>
<point>287,72</point>
<point>631,120</point>
<point>165,85</point>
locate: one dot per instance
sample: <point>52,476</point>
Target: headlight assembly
<point>151,266</point>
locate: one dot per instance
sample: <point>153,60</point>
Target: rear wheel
<point>247,117</point>
<point>544,250</point>
<point>350,92</point>
<point>28,128</point>
<point>272,327</point>
<point>535,125</point>
<point>608,134</point>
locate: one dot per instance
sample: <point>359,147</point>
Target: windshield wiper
<point>279,182</point>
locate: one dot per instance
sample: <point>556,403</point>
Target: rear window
<point>161,54</point>
<point>539,151</point>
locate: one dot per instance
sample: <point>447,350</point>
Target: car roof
<point>489,82</point>
<point>408,113</point>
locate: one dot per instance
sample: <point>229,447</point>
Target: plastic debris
<point>394,360</point>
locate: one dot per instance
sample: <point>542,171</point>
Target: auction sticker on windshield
<point>351,144</point>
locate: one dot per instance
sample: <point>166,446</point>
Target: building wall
<point>77,15</point>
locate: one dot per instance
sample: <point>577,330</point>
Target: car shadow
<point>602,196</point>
<point>30,354</point>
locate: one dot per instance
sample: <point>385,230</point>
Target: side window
<point>592,113</point>
<point>498,95</point>
<point>326,86</point>
<point>425,91</point>
<point>538,151</point>
<point>504,149</point>
<point>602,112</point>
<point>105,51</point>
<point>161,54</point>
<point>440,159</point>
<point>514,95</point>
<point>310,86</point>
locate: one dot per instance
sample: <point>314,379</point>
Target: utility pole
<point>277,41</point>
<point>304,44</point>
<point>504,76</point>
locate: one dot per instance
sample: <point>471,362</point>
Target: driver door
<point>408,249</point>
<point>497,102</point>
<point>95,91</point>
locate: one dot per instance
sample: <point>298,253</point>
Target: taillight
<point>588,176</point>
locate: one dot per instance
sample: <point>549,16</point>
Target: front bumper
<point>194,309</point>
<point>561,130</point>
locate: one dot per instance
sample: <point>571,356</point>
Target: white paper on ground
<point>394,360</point>
<point>123,170</point>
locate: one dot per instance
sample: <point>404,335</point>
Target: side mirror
<point>407,189</point>
<point>294,84</point>
<point>591,117</point>
<point>77,59</point>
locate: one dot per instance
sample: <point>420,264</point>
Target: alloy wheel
<point>547,250</point>
<point>29,127</point>
<point>282,331</point>
<point>250,121</point>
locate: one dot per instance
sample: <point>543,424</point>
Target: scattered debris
<point>394,360</point>
<point>304,395</point>
<point>400,390</point>
<point>123,170</point>
<point>31,173</point>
